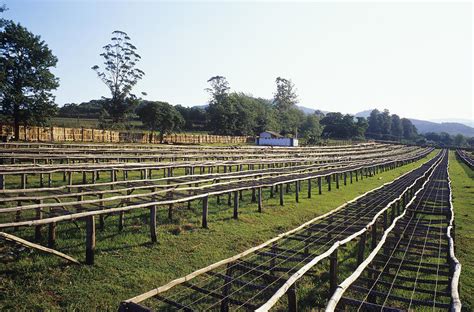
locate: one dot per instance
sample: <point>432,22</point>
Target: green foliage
<point>285,96</point>
<point>396,127</point>
<point>26,81</point>
<point>383,126</point>
<point>265,116</point>
<point>160,116</point>
<point>339,126</point>
<point>219,89</point>
<point>195,118</point>
<point>120,75</point>
<point>311,129</point>
<point>220,110</point>
<point>443,139</point>
<point>288,115</point>
<point>91,109</point>
<point>409,130</point>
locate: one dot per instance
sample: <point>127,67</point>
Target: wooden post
<point>90,240</point>
<point>121,221</point>
<point>259,199</point>
<point>329,182</point>
<point>292,302</point>
<point>345,178</point>
<point>333,272</point>
<point>319,186</point>
<point>52,235</point>
<point>23,181</point>
<point>309,188</point>
<point>361,249</point>
<point>101,217</point>
<point>280,187</point>
<point>227,288</point>
<point>2,182</point>
<point>374,235</point>
<point>205,207</point>
<point>153,236</point>
<point>254,196</point>
<point>337,180</point>
<point>39,216</point>
<point>350,174</point>
<point>297,192</point>
<point>236,204</point>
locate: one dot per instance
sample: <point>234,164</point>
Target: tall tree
<point>265,116</point>
<point>360,127</point>
<point>409,130</point>
<point>120,74</point>
<point>220,111</point>
<point>374,129</point>
<point>396,128</point>
<point>26,81</point>
<point>160,116</point>
<point>285,96</point>
<point>219,89</point>
<point>285,100</point>
<point>459,140</point>
<point>385,123</point>
<point>311,129</point>
<point>3,21</point>
<point>194,117</point>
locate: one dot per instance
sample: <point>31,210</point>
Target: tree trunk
<point>16,122</point>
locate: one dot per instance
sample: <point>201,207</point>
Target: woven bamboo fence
<point>60,134</point>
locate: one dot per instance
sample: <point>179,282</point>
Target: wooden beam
<point>26,243</point>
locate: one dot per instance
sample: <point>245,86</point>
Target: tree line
<point>26,85</point>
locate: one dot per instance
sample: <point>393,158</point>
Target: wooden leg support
<point>236,204</point>
<point>205,207</point>
<point>153,224</point>
<point>90,240</point>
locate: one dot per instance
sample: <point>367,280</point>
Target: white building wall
<point>278,141</point>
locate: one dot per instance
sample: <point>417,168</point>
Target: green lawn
<point>462,182</point>
<point>127,264</point>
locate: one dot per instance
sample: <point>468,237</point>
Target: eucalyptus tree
<point>120,74</point>
<point>26,80</point>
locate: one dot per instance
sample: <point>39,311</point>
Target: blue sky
<point>413,58</point>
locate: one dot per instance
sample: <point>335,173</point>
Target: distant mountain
<point>425,126</point>
<point>452,128</point>
<point>364,114</point>
<point>467,122</point>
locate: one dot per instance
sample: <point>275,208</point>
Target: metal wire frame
<point>340,225</point>
<point>468,160</point>
<point>421,238</point>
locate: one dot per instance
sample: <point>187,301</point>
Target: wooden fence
<point>60,134</point>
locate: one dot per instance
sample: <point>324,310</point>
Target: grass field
<point>127,264</point>
<point>462,182</point>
